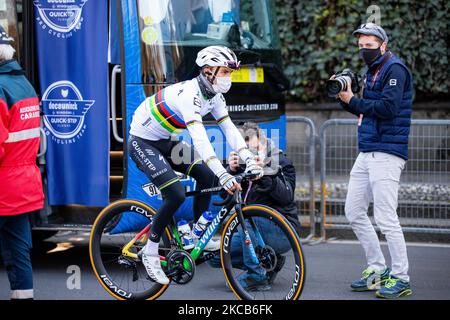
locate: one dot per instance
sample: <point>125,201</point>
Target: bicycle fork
<point>248,247</point>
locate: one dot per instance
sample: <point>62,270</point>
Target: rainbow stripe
<point>219,121</point>
<point>192,165</point>
<point>164,114</point>
<point>192,122</point>
<point>168,183</point>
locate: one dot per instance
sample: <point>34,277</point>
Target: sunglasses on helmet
<point>233,64</point>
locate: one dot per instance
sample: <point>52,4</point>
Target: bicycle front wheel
<point>121,275</point>
<point>275,269</point>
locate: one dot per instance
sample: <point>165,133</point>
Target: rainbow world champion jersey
<point>172,109</point>
<point>182,106</point>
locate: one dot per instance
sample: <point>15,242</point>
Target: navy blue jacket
<point>386,107</point>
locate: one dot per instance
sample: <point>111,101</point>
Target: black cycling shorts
<point>159,159</point>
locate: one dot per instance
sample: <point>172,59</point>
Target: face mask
<point>223,84</point>
<point>369,55</point>
<point>260,153</point>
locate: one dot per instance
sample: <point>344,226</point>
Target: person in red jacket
<point>20,179</point>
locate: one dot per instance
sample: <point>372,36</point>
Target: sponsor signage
<point>72,45</point>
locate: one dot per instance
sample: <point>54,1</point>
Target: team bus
<point>151,44</point>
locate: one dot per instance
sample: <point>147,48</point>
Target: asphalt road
<point>330,268</point>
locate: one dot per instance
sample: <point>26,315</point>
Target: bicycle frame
<point>211,230</point>
<point>236,203</point>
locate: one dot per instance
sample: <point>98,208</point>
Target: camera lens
<point>334,87</point>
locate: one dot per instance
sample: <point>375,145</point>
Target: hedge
<point>316,42</point>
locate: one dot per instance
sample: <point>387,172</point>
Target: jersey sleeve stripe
<point>190,123</point>
<point>219,121</point>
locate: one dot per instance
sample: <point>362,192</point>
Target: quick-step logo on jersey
<point>60,17</point>
<point>64,112</point>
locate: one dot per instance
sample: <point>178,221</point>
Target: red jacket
<point>20,177</point>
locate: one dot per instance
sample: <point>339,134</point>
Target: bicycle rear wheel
<point>122,276</point>
<point>279,272</point>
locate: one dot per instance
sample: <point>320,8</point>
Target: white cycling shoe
<point>152,265</point>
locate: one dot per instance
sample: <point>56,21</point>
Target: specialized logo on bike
<point>61,17</point>
<point>64,112</point>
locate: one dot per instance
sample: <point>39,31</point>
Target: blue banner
<point>114,41</point>
<point>72,43</point>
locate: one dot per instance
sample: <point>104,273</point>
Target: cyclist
<point>165,114</point>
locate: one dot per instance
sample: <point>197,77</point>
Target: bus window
<point>207,22</point>
<point>8,20</point>
<point>172,31</point>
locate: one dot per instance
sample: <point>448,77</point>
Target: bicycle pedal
<point>126,262</point>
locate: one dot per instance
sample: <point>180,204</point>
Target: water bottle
<point>199,228</point>
<point>185,234</point>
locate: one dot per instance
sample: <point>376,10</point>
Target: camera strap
<point>374,79</point>
<point>360,119</point>
<point>364,77</point>
<point>377,71</point>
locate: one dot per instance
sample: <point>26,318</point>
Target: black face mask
<point>369,55</point>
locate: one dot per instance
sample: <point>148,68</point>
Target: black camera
<point>340,82</point>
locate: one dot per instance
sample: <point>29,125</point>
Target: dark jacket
<point>281,187</point>
<point>386,107</point>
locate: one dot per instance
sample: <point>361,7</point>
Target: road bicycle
<point>116,258</point>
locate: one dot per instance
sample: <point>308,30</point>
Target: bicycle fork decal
<point>248,246</point>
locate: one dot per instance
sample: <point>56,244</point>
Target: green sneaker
<point>394,288</point>
<point>370,280</point>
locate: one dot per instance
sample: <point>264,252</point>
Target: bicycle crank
<point>180,266</point>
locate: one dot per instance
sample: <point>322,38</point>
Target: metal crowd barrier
<point>301,137</point>
<point>424,194</point>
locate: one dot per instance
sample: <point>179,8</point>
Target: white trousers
<point>376,176</point>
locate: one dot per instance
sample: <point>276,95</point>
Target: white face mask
<point>260,153</point>
<point>223,84</point>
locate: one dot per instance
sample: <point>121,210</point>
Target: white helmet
<point>217,56</point>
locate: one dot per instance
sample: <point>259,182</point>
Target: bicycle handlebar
<point>224,202</point>
<point>243,177</point>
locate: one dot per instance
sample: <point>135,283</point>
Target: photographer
<point>384,114</point>
<point>276,190</point>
